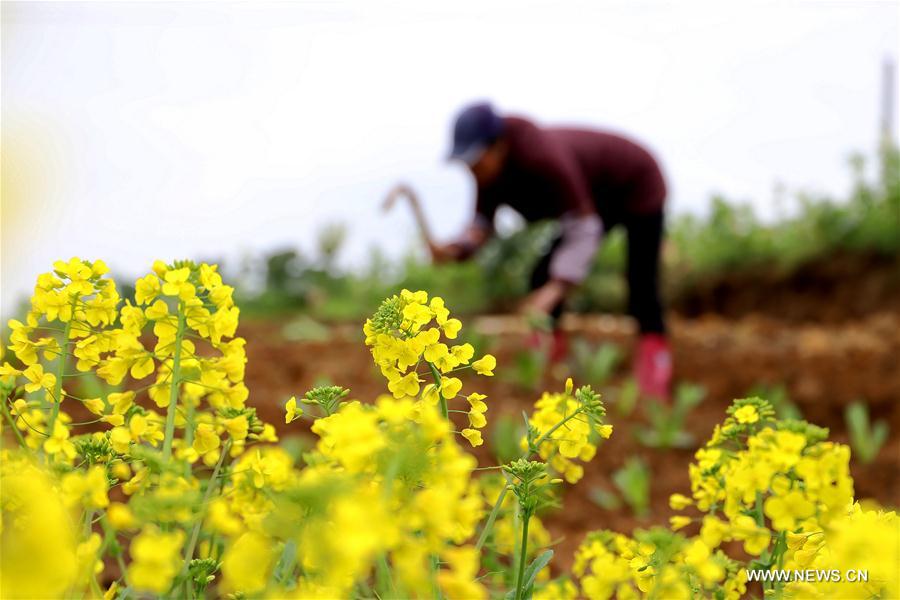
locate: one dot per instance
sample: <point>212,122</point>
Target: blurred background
<point>264,137</point>
<point>232,130</point>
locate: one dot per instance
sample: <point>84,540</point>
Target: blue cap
<point>477,126</point>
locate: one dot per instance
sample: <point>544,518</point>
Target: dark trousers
<point>644,233</point>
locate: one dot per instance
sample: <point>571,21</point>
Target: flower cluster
<point>404,453</point>
<point>41,553</point>
<point>565,427</point>
<point>847,543</point>
<point>176,474</point>
<point>185,304</point>
<point>755,467</point>
<point>405,333</point>
<point>777,488</point>
<point>128,472</point>
<point>67,305</point>
<point>656,564</point>
<point>371,462</point>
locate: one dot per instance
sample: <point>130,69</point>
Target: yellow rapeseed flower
<point>247,563</point>
<point>746,414</point>
<point>474,436</point>
<point>205,438</point>
<point>290,410</point>
<point>485,365</point>
<point>408,385</point>
<point>155,559</point>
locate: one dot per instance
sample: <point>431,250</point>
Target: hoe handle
<point>403,190</point>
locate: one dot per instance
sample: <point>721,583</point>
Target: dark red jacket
<point>553,171</point>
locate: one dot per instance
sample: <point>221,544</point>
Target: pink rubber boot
<point>653,366</point>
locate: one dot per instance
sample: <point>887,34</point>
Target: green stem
<point>495,511</point>
<point>111,545</point>
<point>60,371</point>
<point>95,587</point>
<point>195,533</point>
<point>778,559</point>
<point>780,548</point>
<point>214,547</point>
<point>120,560</point>
<point>283,571</point>
<point>446,414</point>
<point>385,580</point>
<point>760,518</point>
<point>436,588</point>
<point>88,529</point>
<point>523,555</point>
<point>12,424</point>
<point>88,523</point>
<point>437,382</point>
<point>173,390</point>
<point>189,435</point>
<point>491,518</point>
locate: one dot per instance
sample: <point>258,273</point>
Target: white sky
<point>162,130</point>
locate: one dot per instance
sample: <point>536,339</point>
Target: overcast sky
<point>134,131</point>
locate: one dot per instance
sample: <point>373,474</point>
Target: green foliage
<point>734,238</point>
<point>305,328</point>
<point>531,573</point>
<point>527,368</point>
<point>595,364</point>
<point>507,262</point>
<point>731,238</point>
<point>625,398</point>
<point>605,289</point>
<point>605,499</point>
<point>866,437</point>
<point>666,428</point>
<point>633,482</point>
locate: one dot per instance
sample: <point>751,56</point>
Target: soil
<point>822,366</point>
<point>829,289</point>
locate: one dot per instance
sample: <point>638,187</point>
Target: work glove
<point>653,366</point>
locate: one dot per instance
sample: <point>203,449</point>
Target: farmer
<point>589,181</point>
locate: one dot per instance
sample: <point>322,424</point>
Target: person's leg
<point>653,359</point>
<point>644,243</point>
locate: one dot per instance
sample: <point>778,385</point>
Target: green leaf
<point>633,481</point>
<point>531,573</point>
<point>879,433</point>
<point>866,437</point>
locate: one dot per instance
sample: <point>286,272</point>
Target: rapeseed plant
<point>777,487</point>
<point>176,488</point>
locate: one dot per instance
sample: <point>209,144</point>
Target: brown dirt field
<point>822,366</point>
<point>832,289</point>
